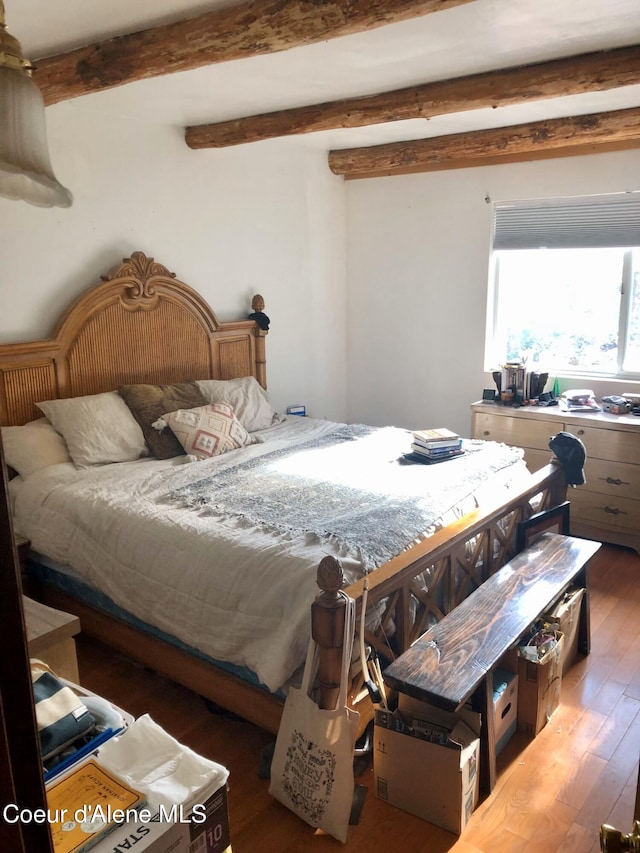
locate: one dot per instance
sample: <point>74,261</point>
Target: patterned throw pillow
<point>206,431</point>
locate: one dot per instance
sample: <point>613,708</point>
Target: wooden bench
<point>453,661</point>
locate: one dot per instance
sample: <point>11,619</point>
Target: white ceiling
<point>475,37</point>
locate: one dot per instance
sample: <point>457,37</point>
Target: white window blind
<point>606,221</point>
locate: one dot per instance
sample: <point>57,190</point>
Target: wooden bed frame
<point>142,325</point>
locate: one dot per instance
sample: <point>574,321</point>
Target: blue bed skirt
<point>43,573</point>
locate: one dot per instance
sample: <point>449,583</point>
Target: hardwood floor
<point>552,795</point>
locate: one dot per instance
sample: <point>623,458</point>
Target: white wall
<point>376,289</point>
<point>267,218</point>
<point>417,265</point>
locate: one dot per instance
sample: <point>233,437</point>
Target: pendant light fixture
<point>25,166</point>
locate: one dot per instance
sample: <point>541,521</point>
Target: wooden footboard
<point>416,589</point>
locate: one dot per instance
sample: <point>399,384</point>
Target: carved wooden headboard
<point>139,325</point>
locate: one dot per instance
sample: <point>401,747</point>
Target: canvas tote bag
<point>312,766</point>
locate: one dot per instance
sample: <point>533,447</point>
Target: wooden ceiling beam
<point>572,76</point>
<point>247,29</point>
<point>563,137</point>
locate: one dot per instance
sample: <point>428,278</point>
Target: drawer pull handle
<point>487,432</point>
<point>613,510</point>
<point>580,432</point>
<point>613,481</point>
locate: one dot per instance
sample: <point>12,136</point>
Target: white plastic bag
<point>155,763</point>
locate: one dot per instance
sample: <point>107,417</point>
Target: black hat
<point>571,454</point>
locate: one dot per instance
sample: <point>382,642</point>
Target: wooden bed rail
<point>419,587</point>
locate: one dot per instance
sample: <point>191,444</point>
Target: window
<point>565,286</point>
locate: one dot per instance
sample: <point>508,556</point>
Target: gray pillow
<point>97,428</point>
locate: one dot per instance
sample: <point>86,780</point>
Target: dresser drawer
<point>604,511</point>
<point>609,443</point>
<point>612,478</point>
<point>521,432</point>
<point>537,459</point>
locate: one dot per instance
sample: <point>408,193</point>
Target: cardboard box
<point>203,826</point>
<point>567,614</point>
<point>425,761</point>
<point>539,685</point>
<point>505,706</point>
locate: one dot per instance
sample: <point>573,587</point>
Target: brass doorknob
<point>614,841</point>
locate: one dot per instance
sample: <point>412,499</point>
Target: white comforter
<point>237,592</point>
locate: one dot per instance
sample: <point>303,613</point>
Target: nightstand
<point>50,636</point>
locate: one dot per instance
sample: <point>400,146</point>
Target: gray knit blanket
<point>346,487</point>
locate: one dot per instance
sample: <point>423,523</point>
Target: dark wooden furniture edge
<point>21,778</point>
<point>556,517</point>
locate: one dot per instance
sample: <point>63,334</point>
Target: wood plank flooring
<point>552,795</point>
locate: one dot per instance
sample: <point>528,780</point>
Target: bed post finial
<point>257,313</point>
<point>330,577</point>
<point>262,322</point>
<point>327,629</point>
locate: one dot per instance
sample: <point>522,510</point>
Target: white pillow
<point>206,431</point>
<point>97,429</point>
<point>34,446</point>
<point>248,398</point>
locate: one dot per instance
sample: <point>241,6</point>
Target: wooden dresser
<point>607,507</point>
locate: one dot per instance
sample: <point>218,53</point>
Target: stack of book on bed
<point>437,444</point>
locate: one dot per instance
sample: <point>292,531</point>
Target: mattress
<point>227,582</point>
